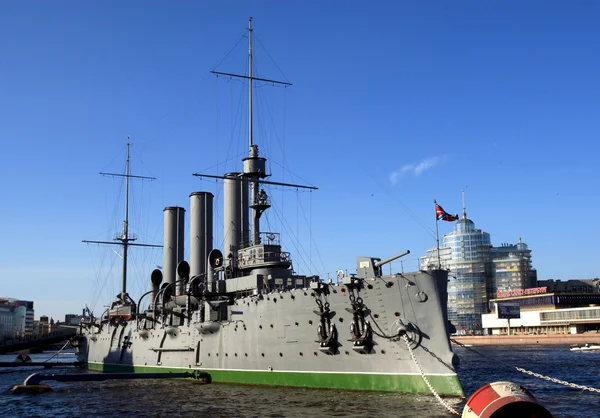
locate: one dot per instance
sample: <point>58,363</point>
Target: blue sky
<point>392,105</point>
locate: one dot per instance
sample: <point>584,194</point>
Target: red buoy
<point>504,399</point>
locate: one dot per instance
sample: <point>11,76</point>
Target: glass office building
<point>465,252</point>
<point>478,272</point>
<point>470,275</point>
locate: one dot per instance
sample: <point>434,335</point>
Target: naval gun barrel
<point>388,260</point>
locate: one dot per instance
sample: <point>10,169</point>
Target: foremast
<point>124,238</point>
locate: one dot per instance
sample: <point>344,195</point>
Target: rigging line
<point>100,280</point>
<point>190,109</point>
<point>297,216</point>
<point>242,36</point>
<point>269,55</point>
<point>238,125</point>
<point>357,162</point>
<point>218,140</point>
<point>103,281</point>
<point>189,112</point>
<point>294,175</point>
<point>235,157</point>
<point>139,159</point>
<point>264,103</point>
<point>283,150</point>
<point>394,197</point>
<point>114,158</point>
<point>95,285</point>
<point>218,136</point>
<point>308,221</point>
<point>234,126</point>
<point>295,240</point>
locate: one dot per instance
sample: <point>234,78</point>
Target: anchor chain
<point>534,374</point>
<point>560,382</point>
<point>429,385</point>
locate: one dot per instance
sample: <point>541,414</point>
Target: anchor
<point>360,329</point>
<point>327,332</point>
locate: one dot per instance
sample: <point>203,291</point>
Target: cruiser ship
<point>242,314</point>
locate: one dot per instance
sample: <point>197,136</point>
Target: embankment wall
<point>562,339</point>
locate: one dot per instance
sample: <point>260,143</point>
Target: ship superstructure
<point>243,315</point>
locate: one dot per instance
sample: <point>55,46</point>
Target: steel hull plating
<point>272,339</point>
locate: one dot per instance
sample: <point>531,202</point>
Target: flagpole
<point>437,236</point>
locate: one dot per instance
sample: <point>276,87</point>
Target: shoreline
<point>561,339</point>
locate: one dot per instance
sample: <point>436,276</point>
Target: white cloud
<point>416,169</point>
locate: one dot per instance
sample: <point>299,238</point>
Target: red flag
<point>442,215</point>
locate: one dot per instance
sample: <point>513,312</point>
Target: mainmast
<point>254,165</point>
<point>124,238</point>
<point>244,199</point>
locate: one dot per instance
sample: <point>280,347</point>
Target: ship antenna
<point>124,238</point>
<point>250,142</point>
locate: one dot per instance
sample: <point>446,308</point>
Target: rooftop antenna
<point>463,204</point>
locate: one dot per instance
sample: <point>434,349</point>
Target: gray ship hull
<point>273,339</point>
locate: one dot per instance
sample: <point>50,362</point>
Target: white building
<point>545,313</point>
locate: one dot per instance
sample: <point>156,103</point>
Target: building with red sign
<point>545,312</point>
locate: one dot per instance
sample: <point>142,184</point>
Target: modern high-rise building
<point>477,272</point>
<point>16,317</point>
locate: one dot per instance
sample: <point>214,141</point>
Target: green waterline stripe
<point>407,383</point>
<point>281,371</point>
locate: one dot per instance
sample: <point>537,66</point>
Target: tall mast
<point>259,163</point>
<point>254,166</point>
<point>124,238</point>
<point>250,82</point>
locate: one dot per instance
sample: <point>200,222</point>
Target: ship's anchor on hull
<point>327,332</point>
<point>360,329</point>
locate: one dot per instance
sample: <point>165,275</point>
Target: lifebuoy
<point>218,262</point>
<point>340,274</point>
<point>243,260</point>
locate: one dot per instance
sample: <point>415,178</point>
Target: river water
<point>185,398</point>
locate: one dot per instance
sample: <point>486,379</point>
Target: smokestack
<point>173,241</point>
<point>231,216</point>
<point>244,214</point>
<point>201,231</point>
